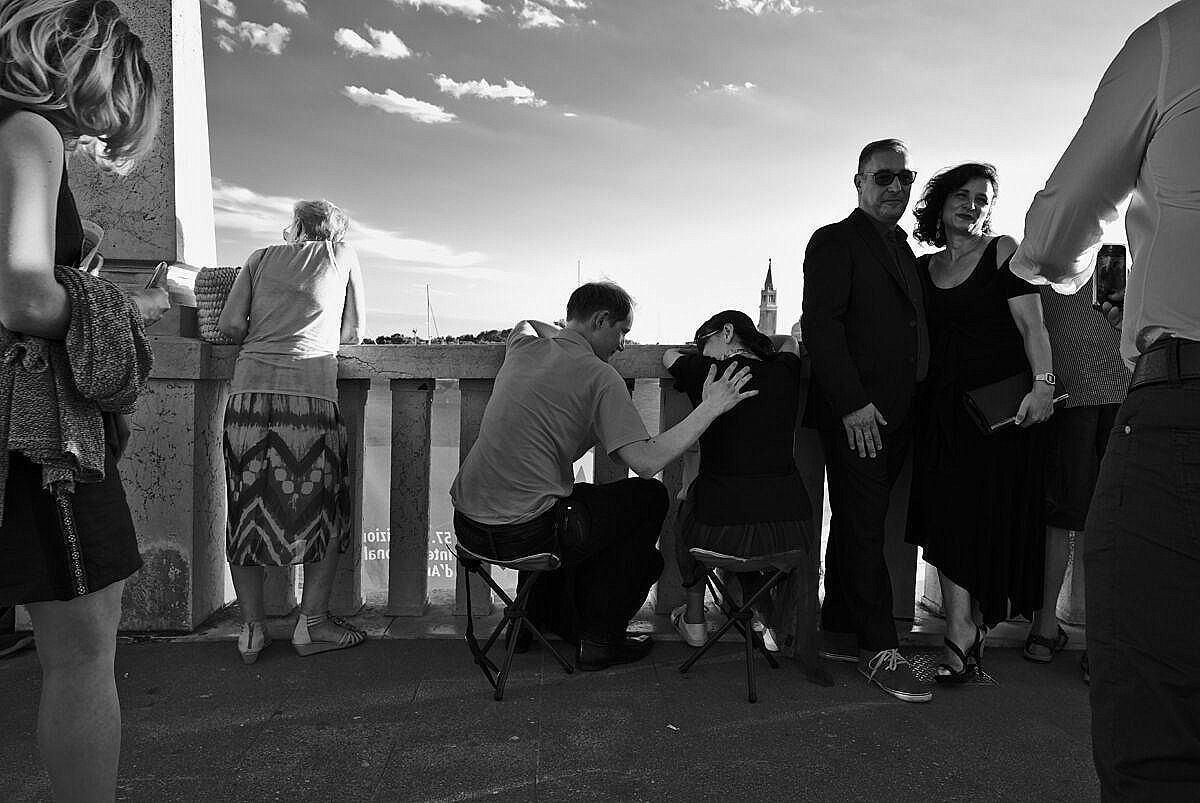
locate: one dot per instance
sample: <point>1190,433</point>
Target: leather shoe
<point>593,655</point>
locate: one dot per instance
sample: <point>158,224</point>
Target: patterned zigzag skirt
<point>287,479</point>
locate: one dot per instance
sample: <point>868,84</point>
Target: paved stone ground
<point>412,719</point>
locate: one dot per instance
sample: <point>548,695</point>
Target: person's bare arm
<point>671,355</point>
<point>719,394</point>
<point>354,310</point>
<point>235,316</point>
<point>1038,404</point>
<point>31,164</point>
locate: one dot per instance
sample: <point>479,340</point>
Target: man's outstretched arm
<point>719,394</point>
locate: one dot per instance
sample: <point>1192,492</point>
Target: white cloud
<point>393,102</point>
<point>383,44</point>
<point>518,94</point>
<point>294,6</point>
<point>533,15</point>
<point>472,9</point>
<point>575,5</point>
<point>225,7</point>
<point>570,114</point>
<point>708,88</point>
<point>260,217</point>
<point>271,38</point>
<point>791,8</point>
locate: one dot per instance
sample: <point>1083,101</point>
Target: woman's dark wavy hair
<point>928,210</point>
<point>743,329</point>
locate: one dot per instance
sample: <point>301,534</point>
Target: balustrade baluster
<point>412,403</point>
<point>474,398</point>
<point>346,598</point>
<point>604,468</point>
<point>673,407</point>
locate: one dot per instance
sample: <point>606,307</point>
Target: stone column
<point>162,209</point>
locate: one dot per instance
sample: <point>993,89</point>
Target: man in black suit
<point>864,326</point>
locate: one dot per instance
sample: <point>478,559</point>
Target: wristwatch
<point>1047,377</point>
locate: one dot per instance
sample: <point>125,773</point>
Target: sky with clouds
<point>493,150</point>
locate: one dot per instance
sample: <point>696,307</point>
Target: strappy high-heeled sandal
<point>948,675</point>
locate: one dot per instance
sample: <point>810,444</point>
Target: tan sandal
<point>305,645</point>
<point>252,641</point>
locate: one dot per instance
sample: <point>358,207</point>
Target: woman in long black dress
<point>748,499</point>
<point>976,505</point>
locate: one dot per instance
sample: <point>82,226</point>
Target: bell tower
<point>766,305</point>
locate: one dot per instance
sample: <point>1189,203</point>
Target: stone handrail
<point>174,472</point>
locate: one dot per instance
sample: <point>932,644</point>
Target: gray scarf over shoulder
<point>52,393</point>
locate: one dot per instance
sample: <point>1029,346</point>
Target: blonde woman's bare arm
<point>31,165</point>
<point>354,310</point>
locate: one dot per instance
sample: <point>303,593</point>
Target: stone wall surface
<point>162,208</point>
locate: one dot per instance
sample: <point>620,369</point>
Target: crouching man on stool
<point>555,398</point>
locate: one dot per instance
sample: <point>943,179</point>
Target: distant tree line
<point>398,339</point>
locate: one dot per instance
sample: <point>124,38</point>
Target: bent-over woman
<point>748,499</point>
<point>285,445</point>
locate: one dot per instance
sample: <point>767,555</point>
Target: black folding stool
<point>740,617</point>
<point>515,618</point>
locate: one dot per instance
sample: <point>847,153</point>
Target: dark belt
<point>1167,362</point>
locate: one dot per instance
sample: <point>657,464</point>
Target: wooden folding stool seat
<point>741,616</point>
<point>515,617</point>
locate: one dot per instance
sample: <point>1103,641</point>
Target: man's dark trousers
<point>1143,599</point>
<point>858,588</point>
<point>605,580</point>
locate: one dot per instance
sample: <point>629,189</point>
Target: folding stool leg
<point>514,621</point>
<point>749,642</point>
<point>484,663</point>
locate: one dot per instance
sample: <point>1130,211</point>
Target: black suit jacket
<point>859,324</point>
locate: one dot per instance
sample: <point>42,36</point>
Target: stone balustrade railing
<point>174,477</point>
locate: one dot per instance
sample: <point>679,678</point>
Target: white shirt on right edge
<point>1140,136</point>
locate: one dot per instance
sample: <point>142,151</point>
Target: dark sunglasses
<point>884,178</point>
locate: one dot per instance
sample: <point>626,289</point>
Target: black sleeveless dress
<point>977,500</point>
<point>36,564</point>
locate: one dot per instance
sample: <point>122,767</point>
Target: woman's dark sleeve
<point>690,371</point>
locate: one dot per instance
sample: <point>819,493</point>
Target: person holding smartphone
<point>1138,142</point>
<point>69,70</point>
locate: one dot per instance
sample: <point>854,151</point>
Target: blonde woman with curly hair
<point>71,71</point>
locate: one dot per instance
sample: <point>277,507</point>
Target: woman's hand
<point>153,302</point>
<point>1037,406</point>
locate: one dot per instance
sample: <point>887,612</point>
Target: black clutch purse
<point>995,406</point>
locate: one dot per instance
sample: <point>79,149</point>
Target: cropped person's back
<point>1139,139</point>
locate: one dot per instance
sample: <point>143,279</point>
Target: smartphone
<point>157,276</point>
<point>1108,278</point>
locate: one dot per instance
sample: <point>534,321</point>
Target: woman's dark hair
<point>595,297</point>
<point>928,210</point>
<point>743,329</point>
